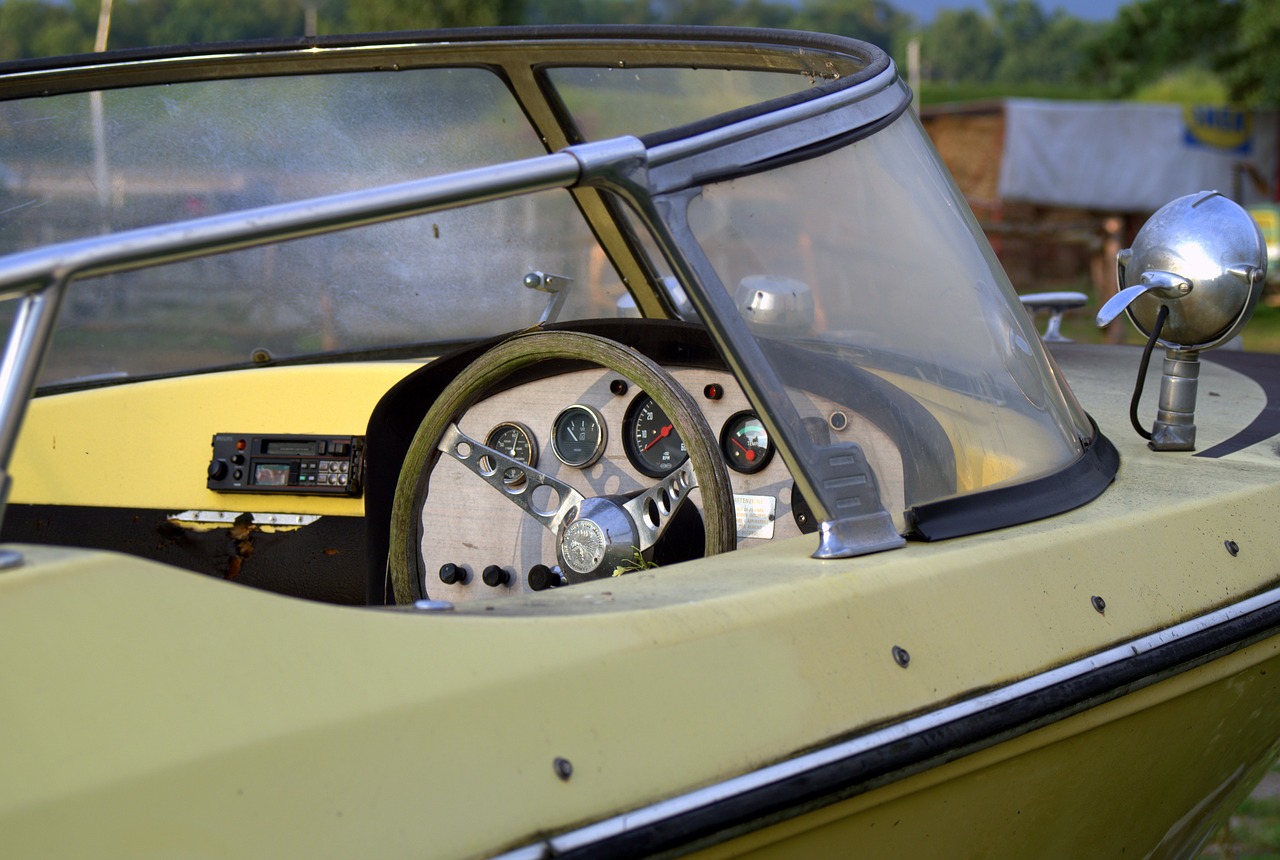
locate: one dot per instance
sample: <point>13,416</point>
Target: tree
<point>382,15</point>
<point>1151,38</point>
<point>32,28</point>
<point>1034,46</point>
<point>140,23</point>
<point>960,47</point>
<point>1250,66</point>
<point>874,21</point>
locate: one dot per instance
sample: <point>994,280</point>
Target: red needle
<point>751,455</point>
<point>662,434</point>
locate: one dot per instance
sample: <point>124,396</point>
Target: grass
<point>1253,832</point>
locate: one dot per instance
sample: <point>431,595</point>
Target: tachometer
<point>578,436</point>
<point>745,443</point>
<point>653,446</point>
<point>517,442</point>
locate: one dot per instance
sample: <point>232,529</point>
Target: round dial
<point>652,443</point>
<point>578,436</point>
<point>745,443</point>
<point>517,442</point>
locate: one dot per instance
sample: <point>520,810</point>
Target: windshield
<point>799,213</point>
<point>81,164</point>
<point>867,257</point>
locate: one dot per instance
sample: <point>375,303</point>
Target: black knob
<point>238,459</point>
<point>451,574</point>
<point>217,470</point>
<point>542,577</point>
<point>494,576</point>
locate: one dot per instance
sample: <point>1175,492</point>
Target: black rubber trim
<point>801,153</point>
<point>824,785</point>
<point>873,59</point>
<point>1079,483</point>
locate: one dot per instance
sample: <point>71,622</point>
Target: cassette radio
<point>289,464</point>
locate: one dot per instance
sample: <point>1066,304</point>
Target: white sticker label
<point>755,516</point>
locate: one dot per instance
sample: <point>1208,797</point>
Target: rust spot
<point>331,551</point>
<point>241,534</point>
<point>243,527</point>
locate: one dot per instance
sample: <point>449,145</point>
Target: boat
<point>601,442</point>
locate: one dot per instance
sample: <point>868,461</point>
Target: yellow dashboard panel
<point>148,444</point>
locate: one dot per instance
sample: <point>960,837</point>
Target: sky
<point>1090,10</point>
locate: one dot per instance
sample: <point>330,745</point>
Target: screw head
<point>563,768</point>
<point>1232,547</point>
<point>1099,604</point>
<point>900,656</point>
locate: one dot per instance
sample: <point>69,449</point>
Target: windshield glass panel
<point>611,102</point>
<point>80,164</point>
<point>431,280</point>
<point>865,265</point>
<point>87,163</point>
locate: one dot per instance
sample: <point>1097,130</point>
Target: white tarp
<point>1129,157</point>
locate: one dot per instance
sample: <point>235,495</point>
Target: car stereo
<point>289,464</point>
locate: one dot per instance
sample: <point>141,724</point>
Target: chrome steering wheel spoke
<point>490,465</point>
<point>652,511</point>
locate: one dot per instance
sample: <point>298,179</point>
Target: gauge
<point>578,436</point>
<point>652,443</point>
<point>745,443</point>
<point>517,442</point>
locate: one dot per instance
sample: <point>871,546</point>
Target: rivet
<point>901,657</point>
<point>1099,604</point>
<point>1232,547</point>
<point>563,768</point>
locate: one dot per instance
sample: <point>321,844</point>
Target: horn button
<point>597,539</point>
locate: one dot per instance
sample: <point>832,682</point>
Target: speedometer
<point>652,444</point>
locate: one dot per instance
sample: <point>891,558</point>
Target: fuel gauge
<point>745,443</point>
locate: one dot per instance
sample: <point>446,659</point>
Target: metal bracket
<point>556,285</point>
<point>862,525</point>
<point>1175,424</point>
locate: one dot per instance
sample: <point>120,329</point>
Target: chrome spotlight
<point>1190,282</point>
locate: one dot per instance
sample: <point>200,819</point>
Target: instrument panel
<point>604,436</point>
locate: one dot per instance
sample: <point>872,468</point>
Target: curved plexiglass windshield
<point>862,274</point>
<point>875,311</point>
<point>83,164</point>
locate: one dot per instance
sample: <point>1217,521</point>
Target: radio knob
<point>217,470</point>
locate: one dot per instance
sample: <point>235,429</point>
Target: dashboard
<point>602,435</point>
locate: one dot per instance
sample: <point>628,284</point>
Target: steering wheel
<point>593,535</point>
